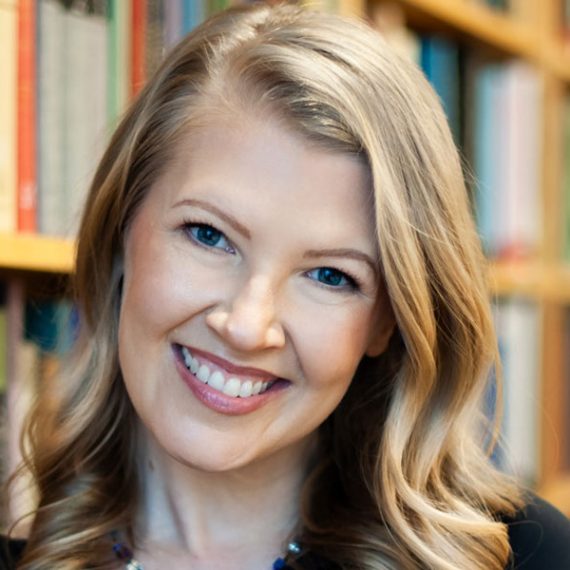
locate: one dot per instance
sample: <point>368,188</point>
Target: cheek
<point>333,345</point>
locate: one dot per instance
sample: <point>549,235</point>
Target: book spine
<point>155,36</point>
<point>138,45</point>
<point>119,59</point>
<point>26,148</point>
<point>8,105</point>
<point>173,16</point>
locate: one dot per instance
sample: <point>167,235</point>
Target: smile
<point>220,380</point>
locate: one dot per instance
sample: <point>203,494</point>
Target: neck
<point>199,516</point>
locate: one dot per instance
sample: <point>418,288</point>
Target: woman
<point>286,331</point>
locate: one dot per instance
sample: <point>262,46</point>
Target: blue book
<point>439,59</point>
<point>486,154</point>
<point>51,325</point>
<point>193,14</point>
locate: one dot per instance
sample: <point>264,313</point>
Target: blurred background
<point>70,68</point>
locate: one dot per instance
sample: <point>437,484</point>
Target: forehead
<point>259,166</point>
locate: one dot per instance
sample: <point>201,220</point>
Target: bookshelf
<point>528,32</point>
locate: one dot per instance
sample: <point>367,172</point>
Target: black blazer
<point>539,535</point>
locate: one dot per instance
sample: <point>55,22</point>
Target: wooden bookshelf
<point>529,33</point>
<point>474,23</point>
<point>531,36</point>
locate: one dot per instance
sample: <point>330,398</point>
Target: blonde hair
<point>402,479</point>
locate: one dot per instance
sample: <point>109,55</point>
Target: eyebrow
<point>311,253</point>
<point>344,252</point>
<point>239,228</point>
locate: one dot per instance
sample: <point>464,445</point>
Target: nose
<point>248,321</point>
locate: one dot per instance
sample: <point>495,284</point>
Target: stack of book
<point>69,68</point>
<point>34,336</point>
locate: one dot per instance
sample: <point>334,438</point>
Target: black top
<point>539,535</point>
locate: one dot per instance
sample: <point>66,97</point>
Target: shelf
<point>29,252</point>
<point>475,23</point>
<point>531,279</point>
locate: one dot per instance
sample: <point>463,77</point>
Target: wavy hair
<point>403,479</point>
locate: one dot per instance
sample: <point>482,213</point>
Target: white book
<point>519,207</point>
<point>85,108</point>
<point>51,195</point>
<point>518,327</point>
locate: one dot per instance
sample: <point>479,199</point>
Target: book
<point>85,111</point>
<point>518,329</point>
<point>8,106</point>
<point>193,14</point>
<point>26,149</point>
<point>506,153</point>
<point>440,61</point>
<point>518,219</point>
<point>50,119</point>
<point>119,30</point>
<point>138,45</point>
<point>485,148</point>
<point>155,35</point>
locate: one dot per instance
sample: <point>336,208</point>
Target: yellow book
<point>8,98</point>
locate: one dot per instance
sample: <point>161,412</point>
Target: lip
<point>231,368</point>
<point>222,403</point>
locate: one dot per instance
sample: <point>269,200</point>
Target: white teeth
<point>246,389</point>
<point>216,380</point>
<point>232,387</point>
<point>203,373</point>
<point>187,356</point>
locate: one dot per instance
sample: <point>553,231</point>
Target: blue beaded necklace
<point>123,552</point>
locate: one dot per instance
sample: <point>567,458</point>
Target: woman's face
<point>250,294</point>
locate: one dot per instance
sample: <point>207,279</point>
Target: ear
<point>383,327</point>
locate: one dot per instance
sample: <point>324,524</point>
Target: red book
<point>26,120</point>
<point>139,19</point>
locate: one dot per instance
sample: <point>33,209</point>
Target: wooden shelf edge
<point>480,23</point>
<point>536,280</point>
<point>31,252</point>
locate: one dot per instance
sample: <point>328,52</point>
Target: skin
<point>255,294</point>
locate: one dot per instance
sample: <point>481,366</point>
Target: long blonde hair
<point>402,479</point>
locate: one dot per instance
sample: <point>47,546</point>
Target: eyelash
<point>353,284</point>
<point>188,226</point>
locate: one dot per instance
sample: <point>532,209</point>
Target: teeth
<point>203,374</point>
<point>187,356</point>
<point>246,389</point>
<point>232,387</point>
<point>216,380</point>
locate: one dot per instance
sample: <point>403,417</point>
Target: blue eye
<point>209,236</point>
<point>333,278</point>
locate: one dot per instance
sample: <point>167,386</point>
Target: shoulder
<point>540,536</point>
<point>10,552</point>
